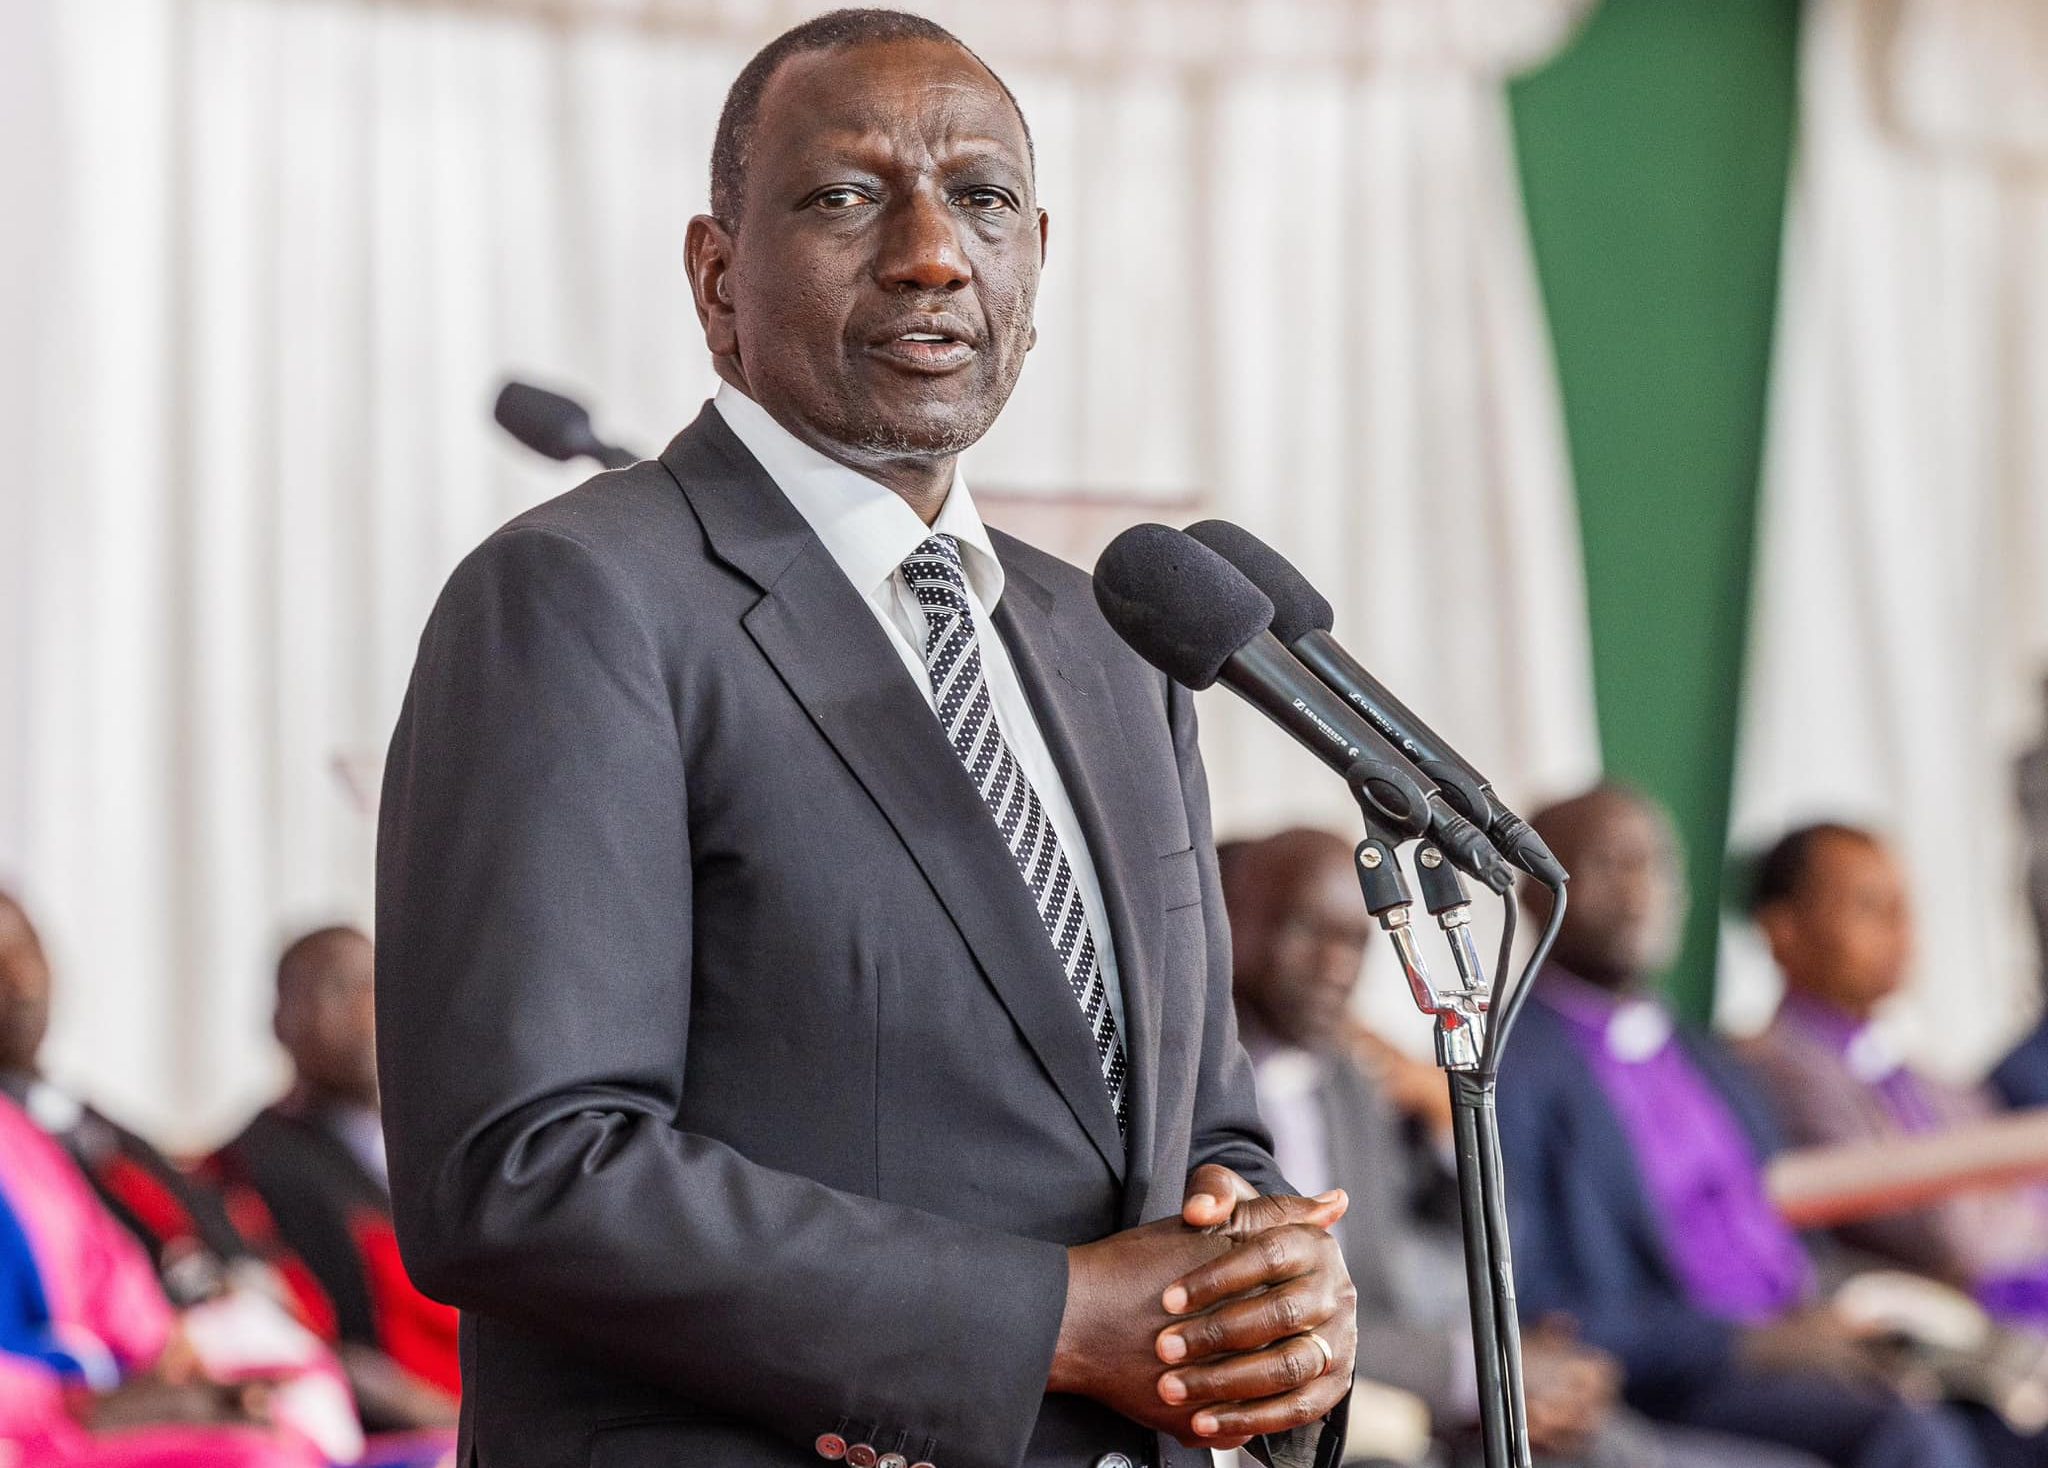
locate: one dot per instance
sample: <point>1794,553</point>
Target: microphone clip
<point>1459,1013</point>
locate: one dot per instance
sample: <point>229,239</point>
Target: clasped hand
<point>1199,1326</point>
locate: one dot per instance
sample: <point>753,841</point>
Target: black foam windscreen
<point>1181,607</point>
<point>1298,608</point>
<point>544,421</point>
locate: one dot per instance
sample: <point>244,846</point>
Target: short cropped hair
<point>733,144</point>
<point>306,957</point>
<point>1781,870</point>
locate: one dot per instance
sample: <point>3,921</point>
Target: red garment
<point>290,1172</point>
<point>105,1304</point>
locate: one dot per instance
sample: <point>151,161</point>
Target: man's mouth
<point>936,347</point>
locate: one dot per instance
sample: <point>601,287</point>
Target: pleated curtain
<point>278,254</point>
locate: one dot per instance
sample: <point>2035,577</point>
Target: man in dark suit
<point>308,1175</point>
<point>1634,1154</point>
<point>804,994</point>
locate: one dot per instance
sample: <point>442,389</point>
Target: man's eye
<point>984,199</point>
<point>839,198</point>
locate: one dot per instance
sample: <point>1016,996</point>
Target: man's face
<point>1846,934</point>
<point>1627,895</point>
<point>1312,953</point>
<point>24,990</point>
<point>876,297</point>
<point>327,1020</point>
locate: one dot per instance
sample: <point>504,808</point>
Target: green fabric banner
<point>1654,156</point>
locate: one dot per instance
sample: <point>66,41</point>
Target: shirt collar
<point>865,526</point>
<point>1863,1045</point>
<point>1632,1027</point>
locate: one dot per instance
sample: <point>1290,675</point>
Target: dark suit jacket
<point>2021,1079</point>
<point>1586,1240</point>
<point>733,1089</point>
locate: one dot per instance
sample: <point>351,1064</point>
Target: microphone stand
<point>1460,1016</point>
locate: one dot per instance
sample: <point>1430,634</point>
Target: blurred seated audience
<point>309,1170</point>
<point>1634,1152</point>
<point>179,1219</point>
<point>98,1368</point>
<point>1832,903</point>
<point>202,1250</point>
<point>1348,1111</point>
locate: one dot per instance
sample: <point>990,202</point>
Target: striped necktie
<point>952,654</point>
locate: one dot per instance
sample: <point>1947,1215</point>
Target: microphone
<point>1196,618</point>
<point>1302,620</point>
<point>551,424</point>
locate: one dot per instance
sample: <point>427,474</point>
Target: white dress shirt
<point>869,532</point>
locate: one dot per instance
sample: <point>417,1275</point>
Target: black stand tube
<point>1504,1440</point>
<point>1500,1259</point>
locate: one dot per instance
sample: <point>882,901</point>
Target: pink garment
<point>36,1431</point>
<point>101,1287</point>
<point>102,1293</point>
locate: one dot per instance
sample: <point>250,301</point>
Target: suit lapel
<point>1077,714</point>
<point>824,643</point>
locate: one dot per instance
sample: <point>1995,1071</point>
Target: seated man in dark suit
<point>1298,936</point>
<point>309,1170</point>
<point>1832,903</point>
<point>1634,1153</point>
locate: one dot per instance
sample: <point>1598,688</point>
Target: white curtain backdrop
<point>1901,624</point>
<point>301,241</point>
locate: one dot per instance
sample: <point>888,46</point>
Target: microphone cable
<point>1511,1005</point>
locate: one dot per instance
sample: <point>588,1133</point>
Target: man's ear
<point>1044,227</point>
<point>708,256</point>
<point>1776,923</point>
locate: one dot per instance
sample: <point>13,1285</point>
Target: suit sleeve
<point>534,972</point>
<point>1227,1128</point>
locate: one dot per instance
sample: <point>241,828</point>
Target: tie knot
<point>933,573</point>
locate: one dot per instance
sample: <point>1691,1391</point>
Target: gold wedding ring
<point>1329,1356</point>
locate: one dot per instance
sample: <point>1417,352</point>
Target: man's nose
<point>921,250</point>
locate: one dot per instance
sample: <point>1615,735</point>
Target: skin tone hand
<point>1818,1341</point>
<point>1416,1088</point>
<point>1107,1347</point>
<point>151,1401</point>
<point>1570,1388</point>
<point>176,1390</point>
<point>1239,1348</point>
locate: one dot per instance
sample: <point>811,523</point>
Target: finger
<point>1306,1303</point>
<point>1269,1258</point>
<point>1256,1215</point>
<point>1214,1444</point>
<point>1282,1367</point>
<point>1275,1414</point>
<point>1213,1193</point>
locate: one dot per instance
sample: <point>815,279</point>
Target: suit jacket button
<point>863,1455</point>
<point>1114,1460</point>
<point>892,1460</point>
<point>831,1446</point>
<point>926,1464</point>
